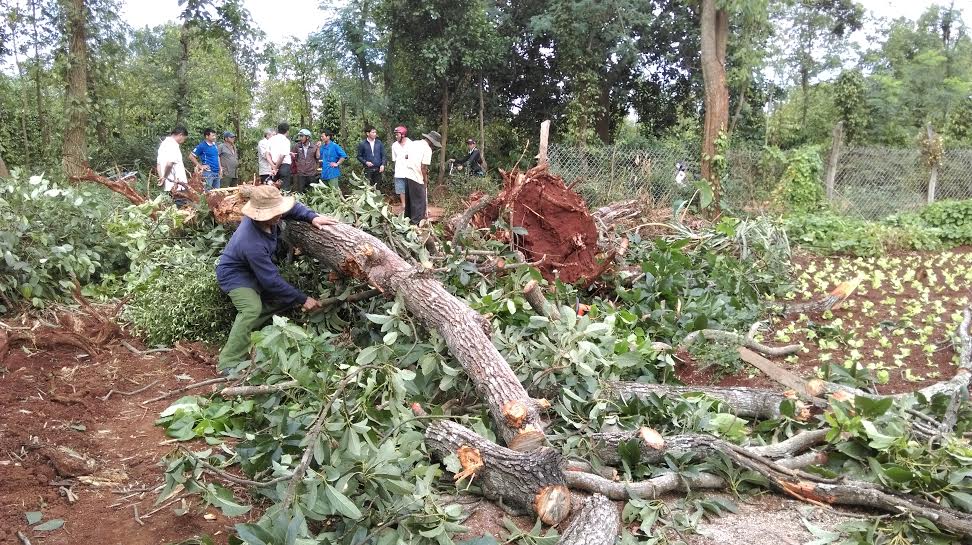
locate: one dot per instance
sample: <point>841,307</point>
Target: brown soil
<point>560,233</point>
<point>889,320</point>
<point>58,432</point>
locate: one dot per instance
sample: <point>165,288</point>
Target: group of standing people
<point>294,166</point>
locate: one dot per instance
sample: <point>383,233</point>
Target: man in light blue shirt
<point>331,155</point>
<point>206,159</point>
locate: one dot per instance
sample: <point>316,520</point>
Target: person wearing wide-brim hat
<point>419,156</point>
<point>247,273</point>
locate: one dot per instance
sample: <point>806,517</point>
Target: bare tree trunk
<point>75,151</point>
<point>3,168</point>
<point>23,96</point>
<point>715,31</point>
<point>602,125</point>
<point>834,160</point>
<point>445,129</point>
<point>482,122</point>
<point>41,119</point>
<point>182,83</point>
<point>933,175</point>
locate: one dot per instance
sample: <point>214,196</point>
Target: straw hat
<point>266,202</point>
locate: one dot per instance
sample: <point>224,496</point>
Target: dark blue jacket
<point>377,158</point>
<point>246,261</point>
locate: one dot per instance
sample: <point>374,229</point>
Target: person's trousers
<point>333,183</point>
<point>251,313</point>
<point>229,181</point>
<point>301,183</point>
<point>210,179</point>
<point>416,201</point>
<point>283,176</point>
<point>373,176</point>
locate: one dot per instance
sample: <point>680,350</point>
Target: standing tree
<point>714,33</point>
<point>196,15</point>
<point>75,150</point>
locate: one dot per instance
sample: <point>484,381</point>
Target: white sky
<point>279,19</point>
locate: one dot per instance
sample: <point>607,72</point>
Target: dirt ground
<point>61,431</point>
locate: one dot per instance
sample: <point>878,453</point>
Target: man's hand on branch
<point>322,221</point>
<point>311,304</point>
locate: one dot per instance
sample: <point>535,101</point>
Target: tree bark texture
<point>182,82</point>
<point>445,130</point>
<point>38,96</point>
<point>745,402</point>
<point>597,522</point>
<point>360,255</point>
<point>75,150</point>
<point>714,33</point>
<point>3,168</point>
<point>532,481</point>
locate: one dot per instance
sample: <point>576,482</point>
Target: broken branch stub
<point>466,332</point>
<point>532,481</point>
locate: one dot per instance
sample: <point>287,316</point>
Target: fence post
<point>544,140</point>
<point>932,163</point>
<point>834,159</point>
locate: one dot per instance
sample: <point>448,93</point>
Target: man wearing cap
<point>419,157</point>
<point>398,154</point>
<point>263,156</point>
<point>331,155</point>
<point>305,161</point>
<point>208,153</point>
<point>473,163</point>
<point>247,273</point>
<point>228,159</point>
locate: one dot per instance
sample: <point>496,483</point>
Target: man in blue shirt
<point>246,271</point>
<point>208,152</point>
<point>331,156</point>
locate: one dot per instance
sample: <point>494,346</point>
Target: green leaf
<point>367,355</point>
<point>962,500</point>
<point>341,503</point>
<point>52,524</point>
<point>33,517</point>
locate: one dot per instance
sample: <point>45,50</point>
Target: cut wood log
<point>745,402</point>
<point>360,255</point>
<point>533,293</point>
<point>597,522</point>
<point>654,447</point>
<point>531,481</point>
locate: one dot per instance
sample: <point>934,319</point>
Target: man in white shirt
<point>418,155</point>
<point>171,169</point>
<point>263,163</point>
<point>279,157</point>
<point>401,165</point>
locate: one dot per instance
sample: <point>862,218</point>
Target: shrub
<point>953,218</point>
<point>799,189</point>
<point>51,234</point>
<point>175,297</point>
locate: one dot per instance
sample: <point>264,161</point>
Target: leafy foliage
<point>50,235</point>
<point>800,188</point>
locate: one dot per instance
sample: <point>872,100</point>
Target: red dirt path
<point>51,401</point>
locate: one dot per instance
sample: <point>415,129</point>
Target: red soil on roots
<point>560,232</point>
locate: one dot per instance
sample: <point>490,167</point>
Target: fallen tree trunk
<point>360,255</point>
<point>597,523</point>
<point>532,481</point>
<point>746,402</point>
<point>653,447</point>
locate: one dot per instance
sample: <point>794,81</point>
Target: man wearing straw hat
<point>247,273</point>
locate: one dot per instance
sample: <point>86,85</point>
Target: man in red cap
<point>401,165</point>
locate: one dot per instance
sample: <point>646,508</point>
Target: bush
<point>799,189</point>
<point>953,218</point>
<point>52,234</point>
<point>830,233</point>
<point>177,298</point>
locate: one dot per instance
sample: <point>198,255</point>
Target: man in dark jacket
<point>371,154</point>
<point>305,161</point>
<point>473,163</point>
<point>247,273</point>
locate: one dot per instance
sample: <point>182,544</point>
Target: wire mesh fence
<point>870,182</point>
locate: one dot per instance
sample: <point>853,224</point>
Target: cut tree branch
<point>746,402</point>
